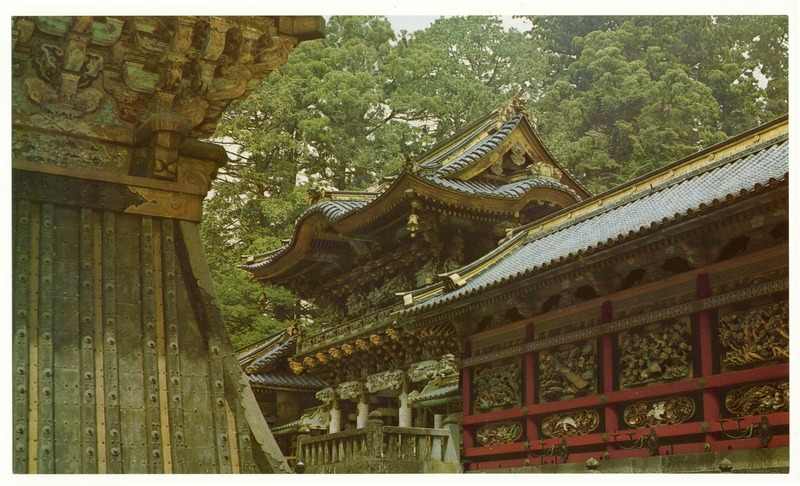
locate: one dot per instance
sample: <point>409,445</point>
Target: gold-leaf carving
<point>656,353</point>
<point>758,399</point>
<point>568,424</point>
<point>497,386</point>
<point>651,413</point>
<point>756,336</point>
<point>499,433</point>
<point>567,373</point>
<point>167,204</point>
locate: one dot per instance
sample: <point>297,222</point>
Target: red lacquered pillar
<point>531,431</point>
<point>607,352</point>
<point>710,397</point>
<point>466,392</point>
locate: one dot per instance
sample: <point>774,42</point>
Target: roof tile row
<point>610,223</point>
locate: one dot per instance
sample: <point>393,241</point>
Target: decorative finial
<point>515,106</point>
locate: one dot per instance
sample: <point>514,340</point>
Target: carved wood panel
<point>497,387</point>
<point>755,336</point>
<point>568,371</point>
<point>655,353</point>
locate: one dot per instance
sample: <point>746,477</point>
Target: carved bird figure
<point>658,410</point>
<point>570,375</point>
<point>567,421</point>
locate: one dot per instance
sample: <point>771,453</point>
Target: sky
<point>413,23</point>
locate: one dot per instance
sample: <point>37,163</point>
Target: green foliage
<point>630,94</point>
<point>616,97</point>
<point>460,69</point>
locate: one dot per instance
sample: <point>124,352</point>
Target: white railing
<point>377,442</point>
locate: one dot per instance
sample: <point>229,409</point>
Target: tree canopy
<point>615,97</point>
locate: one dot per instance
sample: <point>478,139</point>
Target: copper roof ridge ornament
<point>410,165</point>
<point>513,107</point>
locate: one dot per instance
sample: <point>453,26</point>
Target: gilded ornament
<point>388,380</point>
<point>652,413</point>
<point>567,373</point>
<point>297,368</point>
<point>518,154</point>
<point>497,167</point>
<point>656,353</point>
<point>515,106</point>
<point>430,369</point>
<point>568,424</point>
<point>757,336</point>
<point>394,334</point>
<point>413,225</point>
<point>498,433</point>
<point>164,203</point>
<point>326,395</point>
<point>348,390</point>
<point>497,386</point>
<point>758,399</point>
<point>545,169</point>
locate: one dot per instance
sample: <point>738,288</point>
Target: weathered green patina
<point>121,359</point>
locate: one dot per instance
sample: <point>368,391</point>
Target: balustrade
<point>379,442</point>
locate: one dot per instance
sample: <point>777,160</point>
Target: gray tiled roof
<point>444,391</point>
<point>477,151</point>
<point>332,210</point>
<point>335,210</point>
<point>514,190</point>
<point>287,379</point>
<point>654,207</point>
<point>271,356</point>
<point>437,175</point>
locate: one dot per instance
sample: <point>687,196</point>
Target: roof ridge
<point>525,237</point>
<point>473,154</point>
<point>271,355</point>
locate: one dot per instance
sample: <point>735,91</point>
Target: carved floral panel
<point>497,386</point>
<point>655,353</point>
<point>567,373</point>
<point>758,399</point>
<point>568,424</point>
<point>652,413</point>
<point>498,433</point>
<point>755,336</point>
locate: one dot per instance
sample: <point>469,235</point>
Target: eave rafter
<point>395,203</point>
<point>607,263</point>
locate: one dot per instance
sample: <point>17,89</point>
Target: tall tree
<point>629,94</point>
<point>323,118</point>
<point>461,68</point>
<point>615,97</point>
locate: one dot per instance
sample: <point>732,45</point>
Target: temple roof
<point>496,167</point>
<point>473,153</point>
<point>270,355</point>
<point>661,198</point>
<point>513,190</point>
<point>287,379</point>
<point>264,363</point>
